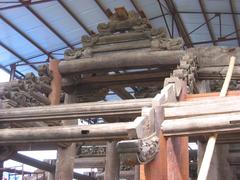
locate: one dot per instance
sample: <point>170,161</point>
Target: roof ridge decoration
<point>126,30</point>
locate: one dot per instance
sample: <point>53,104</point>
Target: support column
<point>137,172</point>
<point>112,166</point>
<point>172,161</point>
<point>54,96</point>
<point>65,156</point>
<point>177,152</point>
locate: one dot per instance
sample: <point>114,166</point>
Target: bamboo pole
<point>203,172</point>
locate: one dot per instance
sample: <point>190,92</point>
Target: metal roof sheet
<point>58,14</point>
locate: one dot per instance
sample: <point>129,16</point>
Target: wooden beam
<point>121,60</point>
<point>122,93</point>
<point>73,111</point>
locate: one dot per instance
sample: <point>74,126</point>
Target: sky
<point>4,77</point>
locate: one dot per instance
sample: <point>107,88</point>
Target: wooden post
<point>157,168</point>
<point>112,166</point>
<point>177,152</point>
<point>54,96</point>
<point>172,161</point>
<point>137,172</point>
<point>65,156</point>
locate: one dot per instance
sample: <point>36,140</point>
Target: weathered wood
<point>77,110</point>
<point>90,162</point>
<point>177,151</point>
<point>197,108</point>
<point>217,72</point>
<point>195,100</point>
<point>122,93</point>
<point>121,60</point>
<point>96,132</point>
<point>220,123</point>
<point>208,155</point>
<point>126,175</point>
<point>66,155</point>
<point>54,96</point>
<point>126,79</point>
<point>193,97</point>
<point>112,166</point>
<point>203,172</point>
<point>172,151</point>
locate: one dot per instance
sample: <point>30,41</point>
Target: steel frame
<point>171,8</point>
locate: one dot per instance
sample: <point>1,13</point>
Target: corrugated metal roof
<point>88,14</point>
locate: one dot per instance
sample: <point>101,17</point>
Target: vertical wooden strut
<point>112,167</point>
<point>203,172</point>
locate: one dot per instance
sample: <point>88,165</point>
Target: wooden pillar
<point>54,96</point>
<point>157,168</point>
<point>177,152</point>
<point>172,161</point>
<point>137,172</point>
<point>65,156</point>
<point>112,166</point>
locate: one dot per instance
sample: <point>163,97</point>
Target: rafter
<point>8,71</point>
<point>46,24</point>
<point>122,93</point>
<point>164,18</point>
<point>179,23</point>
<point>16,54</point>
<point>21,5</point>
<point>63,4</point>
<point>235,21</point>
<point>102,8</point>
<point>24,35</point>
<point>203,9</point>
<point>135,6</point>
